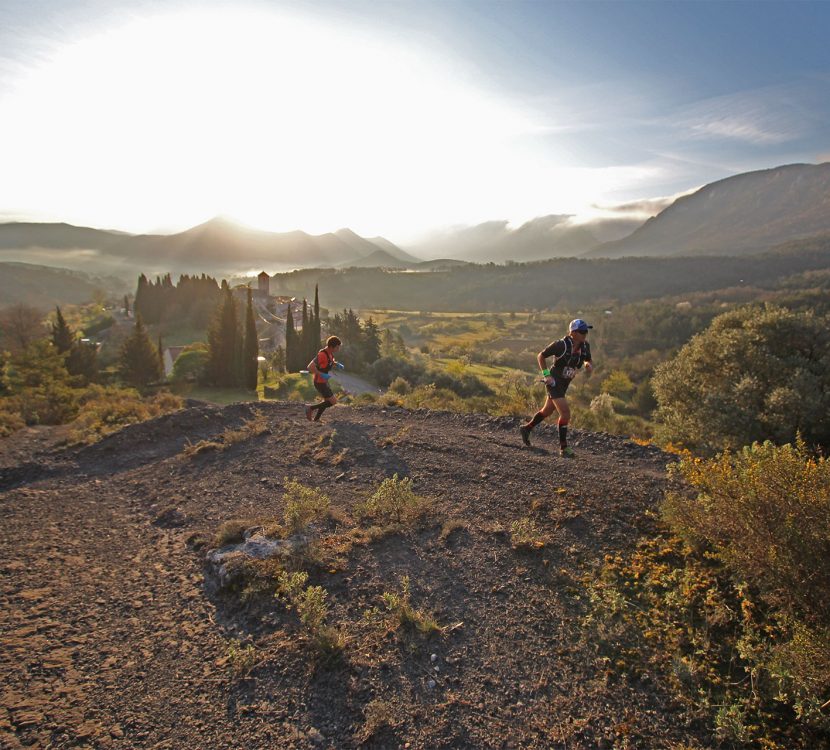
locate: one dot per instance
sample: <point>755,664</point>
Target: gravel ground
<point>110,637</point>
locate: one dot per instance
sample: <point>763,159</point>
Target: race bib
<point>569,373</point>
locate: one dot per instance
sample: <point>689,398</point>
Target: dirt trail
<point>110,640</point>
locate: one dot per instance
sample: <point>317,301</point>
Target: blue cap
<point>579,325</point>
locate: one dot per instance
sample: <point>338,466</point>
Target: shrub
<point>241,659</point>
<point>302,506</point>
<point>766,512</point>
<point>398,612</point>
<point>189,366</point>
<point>394,502</point>
<point>10,419</point>
<point>309,602</point>
<point>400,385</point>
<point>736,383</point>
<point>104,410</point>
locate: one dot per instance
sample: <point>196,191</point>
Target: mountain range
<point>744,214</point>
<point>218,246</point>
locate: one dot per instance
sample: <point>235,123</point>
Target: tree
<point>37,376</point>
<point>223,335</point>
<point>293,354</point>
<point>62,335</point>
<point>250,348</point>
<point>138,364</point>
<point>20,326</point>
<point>371,342</point>
<point>82,361</point>
<point>757,373</point>
<point>315,322</point>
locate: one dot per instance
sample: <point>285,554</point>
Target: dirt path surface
<point>108,637</point>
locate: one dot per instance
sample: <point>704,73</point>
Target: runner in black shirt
<point>570,354</point>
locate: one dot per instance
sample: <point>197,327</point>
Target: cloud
<point>761,117</point>
<point>644,207</point>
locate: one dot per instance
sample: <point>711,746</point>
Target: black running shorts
<point>557,388</point>
<point>324,389</point>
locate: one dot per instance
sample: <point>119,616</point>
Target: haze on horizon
<point>396,118</point>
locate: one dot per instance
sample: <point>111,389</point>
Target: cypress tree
<point>318,338</point>
<point>305,336</point>
<point>142,296</point>
<point>250,348</point>
<point>62,335</point>
<point>223,336</point>
<point>292,356</point>
<point>138,364</point>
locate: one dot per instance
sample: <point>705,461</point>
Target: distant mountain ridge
<point>746,213</point>
<point>217,246</point>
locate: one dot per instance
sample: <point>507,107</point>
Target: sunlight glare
<point>280,121</point>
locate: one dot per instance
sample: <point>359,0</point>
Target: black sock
<point>563,436</point>
<point>537,417</point>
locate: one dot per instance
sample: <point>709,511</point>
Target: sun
<point>281,121</point>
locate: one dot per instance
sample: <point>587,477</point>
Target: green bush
<point>394,502</point>
<point>757,373</point>
<point>189,366</point>
<point>302,506</point>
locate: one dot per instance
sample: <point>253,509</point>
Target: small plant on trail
<point>309,602</point>
<point>231,531</point>
<point>241,659</point>
<point>377,715</point>
<point>523,533</point>
<point>398,612</point>
<point>394,502</point>
<point>302,506</point>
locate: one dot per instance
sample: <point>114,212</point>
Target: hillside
<point>45,287</point>
<point>742,214</point>
<point>110,637</point>
<point>559,283</point>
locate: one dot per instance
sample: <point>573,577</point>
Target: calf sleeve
<point>537,417</point>
<point>563,432</point>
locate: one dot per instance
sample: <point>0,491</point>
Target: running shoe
<point>525,433</point>
<point>567,452</point>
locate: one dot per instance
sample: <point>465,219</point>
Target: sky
<point>396,117</point>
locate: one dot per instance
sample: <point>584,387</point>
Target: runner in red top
<point>320,367</point>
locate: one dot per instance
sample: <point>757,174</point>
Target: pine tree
<point>62,335</point>
<point>250,348</point>
<point>138,363</point>
<point>370,342</point>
